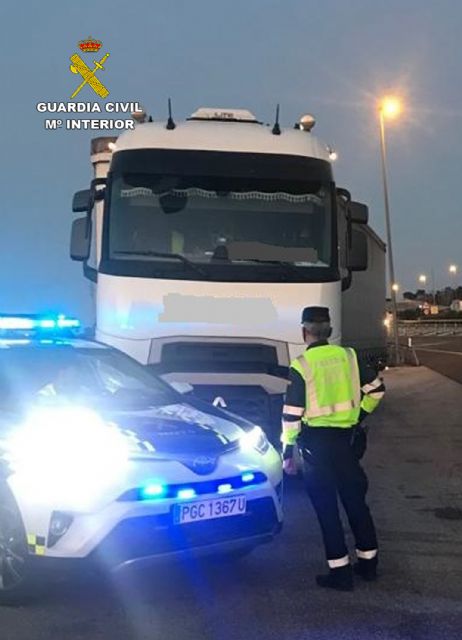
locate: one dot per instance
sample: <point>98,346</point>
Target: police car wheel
<point>14,557</point>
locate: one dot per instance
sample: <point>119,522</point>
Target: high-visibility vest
<point>333,389</point>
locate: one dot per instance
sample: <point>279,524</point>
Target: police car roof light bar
<point>20,324</point>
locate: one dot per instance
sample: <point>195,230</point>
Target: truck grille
<point>250,402</point>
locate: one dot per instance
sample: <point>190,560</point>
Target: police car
<point>100,460</point>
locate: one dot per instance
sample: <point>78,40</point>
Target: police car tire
<point>25,588</point>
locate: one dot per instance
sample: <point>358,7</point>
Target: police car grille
<point>200,488</point>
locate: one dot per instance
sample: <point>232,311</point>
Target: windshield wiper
<point>159,254</point>
<point>292,268</point>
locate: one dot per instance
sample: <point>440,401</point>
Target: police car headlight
<point>255,439</point>
<point>67,453</point>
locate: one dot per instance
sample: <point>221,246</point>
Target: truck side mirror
<point>357,251</point>
<point>81,201</point>
<point>359,212</point>
<point>80,239</point>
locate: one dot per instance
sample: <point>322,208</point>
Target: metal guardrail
<point>411,328</point>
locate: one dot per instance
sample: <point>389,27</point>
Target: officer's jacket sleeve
<point>372,389</point>
<point>293,409</point>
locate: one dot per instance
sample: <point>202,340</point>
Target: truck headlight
<point>255,439</point>
<point>67,454</point>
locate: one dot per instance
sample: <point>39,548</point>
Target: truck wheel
<point>15,578</point>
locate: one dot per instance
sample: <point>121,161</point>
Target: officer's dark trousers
<point>332,470</point>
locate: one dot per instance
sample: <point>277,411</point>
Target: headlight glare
<point>67,454</point>
<point>255,439</point>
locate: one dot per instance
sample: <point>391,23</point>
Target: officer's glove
<point>289,464</point>
<point>359,440</point>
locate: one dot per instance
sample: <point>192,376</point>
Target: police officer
<point>328,396</point>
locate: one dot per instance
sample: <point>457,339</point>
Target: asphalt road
<point>415,466</point>
<point>441,353</point>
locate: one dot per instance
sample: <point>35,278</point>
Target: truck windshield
<point>217,222</point>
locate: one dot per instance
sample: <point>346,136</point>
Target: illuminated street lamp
<point>390,108</point>
<point>453,272</point>
<point>423,279</point>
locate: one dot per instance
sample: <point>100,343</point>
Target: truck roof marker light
<point>306,122</point>
<point>333,155</point>
<point>140,116</point>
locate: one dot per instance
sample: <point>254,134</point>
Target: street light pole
<point>453,272</point>
<point>391,268</point>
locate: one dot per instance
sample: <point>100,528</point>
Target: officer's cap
<point>315,314</point>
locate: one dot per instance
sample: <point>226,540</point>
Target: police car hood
<point>179,429</point>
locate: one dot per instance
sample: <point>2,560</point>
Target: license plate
<point>209,509</point>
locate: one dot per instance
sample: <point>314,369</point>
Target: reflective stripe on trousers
<point>338,562</point>
<point>366,555</point>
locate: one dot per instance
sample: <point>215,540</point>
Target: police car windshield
<point>100,377</point>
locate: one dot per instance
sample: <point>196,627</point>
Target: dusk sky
<point>331,58</point>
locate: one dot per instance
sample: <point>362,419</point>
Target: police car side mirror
<point>357,252</point>
<point>359,212</point>
<point>80,239</point>
<point>81,201</point>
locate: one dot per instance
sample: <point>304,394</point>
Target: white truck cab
<point>205,239</point>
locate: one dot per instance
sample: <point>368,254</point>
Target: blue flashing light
<point>248,477</point>
<point>16,323</point>
<point>47,323</point>
<point>225,488</point>
<point>24,323</point>
<point>67,323</point>
<point>153,491</point>
<point>186,494</point>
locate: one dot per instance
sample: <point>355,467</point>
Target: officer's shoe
<point>340,579</point>
<point>367,569</point>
